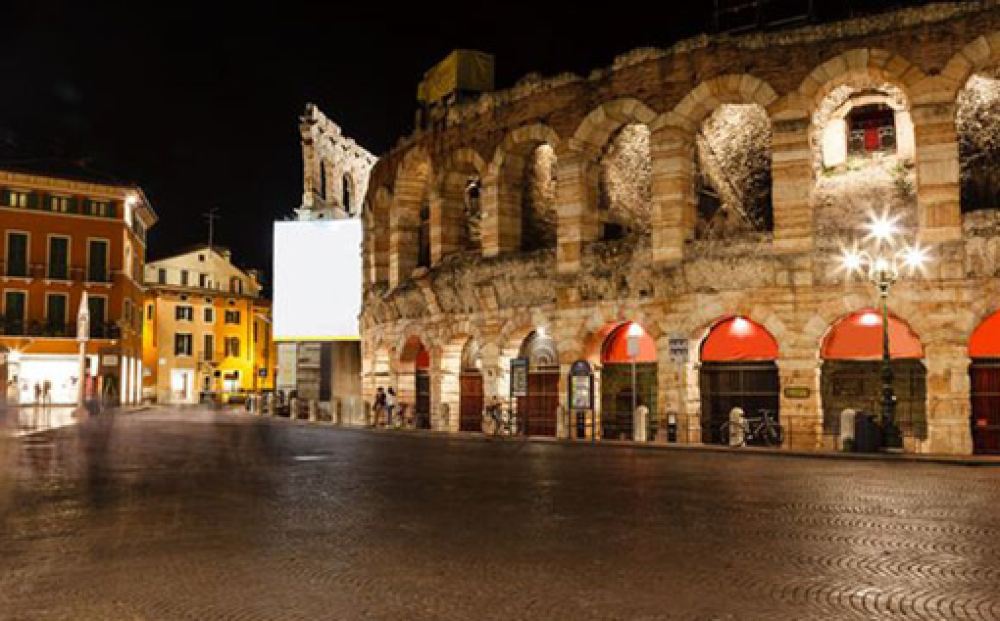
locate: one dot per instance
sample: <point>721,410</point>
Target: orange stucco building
<point>64,234</point>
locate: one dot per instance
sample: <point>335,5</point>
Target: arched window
<point>870,129</point>
<point>346,193</point>
<point>424,237</point>
<point>322,180</point>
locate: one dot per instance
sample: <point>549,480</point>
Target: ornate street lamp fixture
<point>882,256</point>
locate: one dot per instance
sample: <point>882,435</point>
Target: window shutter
<point>73,205</point>
<point>5,196</point>
<point>111,209</point>
<point>33,200</point>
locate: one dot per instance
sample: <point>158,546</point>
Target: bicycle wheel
<point>770,435</point>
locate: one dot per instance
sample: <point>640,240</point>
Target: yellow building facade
<point>207,330</point>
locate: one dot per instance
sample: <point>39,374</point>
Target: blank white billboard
<point>317,280</point>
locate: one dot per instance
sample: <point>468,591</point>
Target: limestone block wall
<point>672,284</point>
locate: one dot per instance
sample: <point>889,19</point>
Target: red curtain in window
<point>738,339</point>
<point>859,337</point>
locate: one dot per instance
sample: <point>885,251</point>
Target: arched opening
<point>851,372</point>
<point>414,383</point>
<point>625,184</point>
<point>738,369</point>
<point>863,156</point>
<point>459,224</point>
<point>471,388</point>
<point>346,194</point>
<point>984,349</point>
<point>628,380</point>
<point>410,218</point>
<point>537,410</point>
<point>538,199</point>
<point>978,126</point>
<point>733,172</point>
<point>322,180</point>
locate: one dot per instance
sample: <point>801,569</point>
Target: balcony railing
<point>45,329</point>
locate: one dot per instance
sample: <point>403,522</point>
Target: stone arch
<point>376,241</point>
<point>601,123</point>
<point>461,390</point>
<point>456,210</point>
<point>852,66</point>
<point>408,234</point>
<point>981,53</point>
<point>502,196</point>
<point>674,146</point>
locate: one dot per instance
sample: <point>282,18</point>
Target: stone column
<point>948,399</point>
<point>446,221</point>
<point>689,414</point>
<point>791,185</point>
<point>576,204</point>
<point>501,201</point>
<point>938,191</point>
<point>673,209</point>
<point>800,410</point>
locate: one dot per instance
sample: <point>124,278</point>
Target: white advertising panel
<point>317,280</point>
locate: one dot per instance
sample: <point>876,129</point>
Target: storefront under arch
<point>852,366</point>
<point>537,410</point>
<point>618,402</point>
<point>984,373</point>
<point>738,369</point>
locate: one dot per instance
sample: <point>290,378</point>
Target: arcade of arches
<point>680,235</point>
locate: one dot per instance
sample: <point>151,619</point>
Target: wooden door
<point>422,407</point>
<point>470,402</point>
<point>537,411</point>
<point>985,406</point>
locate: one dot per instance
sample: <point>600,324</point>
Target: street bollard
<point>847,430</point>
<point>313,410</point>
<point>640,419</point>
<point>293,408</point>
<point>736,427</point>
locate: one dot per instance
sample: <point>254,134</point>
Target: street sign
<point>797,392</point>
<point>519,377</point>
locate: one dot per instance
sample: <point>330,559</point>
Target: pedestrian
<point>390,405</point>
<point>379,406</point>
<point>47,392</point>
<point>38,393</point>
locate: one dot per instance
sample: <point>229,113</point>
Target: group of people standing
<point>385,402</point>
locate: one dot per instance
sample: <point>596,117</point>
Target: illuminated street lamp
<point>883,259</point>
<point>633,336</point>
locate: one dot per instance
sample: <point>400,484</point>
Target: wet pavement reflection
<point>202,515</point>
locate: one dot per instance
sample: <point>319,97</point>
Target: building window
<point>149,312</point>
<point>232,346</point>
<point>202,280</point>
<point>209,314</point>
<point>161,276</point>
<point>59,204</point>
<point>424,238</point>
<point>255,332</point>
<point>17,199</point>
<point>17,254</point>
<point>182,344</point>
<point>201,258</point>
<point>233,316</point>
<point>97,307</point>
<point>871,129</point>
<point>59,258</point>
<point>322,180</point>
<point>14,306</point>
<point>209,352</point>
<point>97,260</point>
<point>184,278</point>
<point>99,208</point>
<point>183,313</point>
<point>55,311</point>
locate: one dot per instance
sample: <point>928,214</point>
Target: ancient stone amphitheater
<point>677,221</point>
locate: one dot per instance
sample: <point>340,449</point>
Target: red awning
<point>859,337</point>
<point>615,348</point>
<point>737,339</point>
<point>985,341</point>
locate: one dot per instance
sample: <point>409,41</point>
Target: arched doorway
<point>984,349</point>
<point>538,409</point>
<point>471,388</point>
<point>414,383</point>
<point>618,401</point>
<point>852,366</point>
<point>738,369</point>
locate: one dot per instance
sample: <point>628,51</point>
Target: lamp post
<point>82,336</point>
<point>633,337</point>
<point>882,259</point>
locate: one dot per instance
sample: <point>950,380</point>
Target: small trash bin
<point>867,433</point>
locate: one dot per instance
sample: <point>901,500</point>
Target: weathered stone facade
<point>335,169</point>
<point>667,279</point>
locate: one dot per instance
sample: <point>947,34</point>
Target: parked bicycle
<point>762,429</point>
<point>500,422</point>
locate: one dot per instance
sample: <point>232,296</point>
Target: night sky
<point>200,105</point>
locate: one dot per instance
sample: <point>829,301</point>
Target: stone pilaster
<point>501,201</point>
<point>792,181</point>
<point>673,209</point>
<point>948,399</point>
<point>800,408</point>
<point>576,203</point>
<point>938,192</point>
